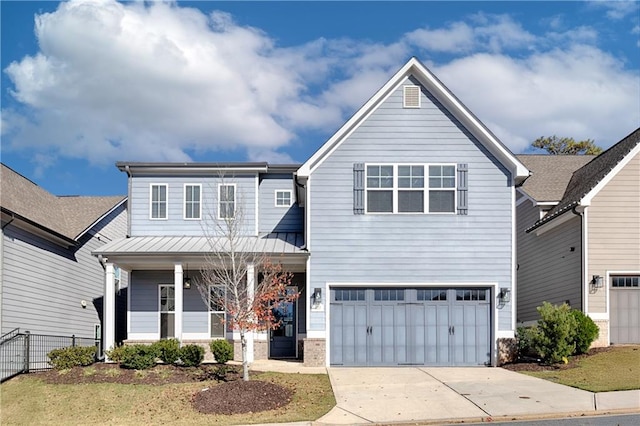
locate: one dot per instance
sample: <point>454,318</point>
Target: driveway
<point>384,395</point>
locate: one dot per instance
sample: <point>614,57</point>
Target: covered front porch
<point>165,301</point>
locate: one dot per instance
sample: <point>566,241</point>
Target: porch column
<point>109,309</point>
<point>251,286</point>
<point>177,316</point>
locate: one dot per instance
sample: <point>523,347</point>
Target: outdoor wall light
<point>505,295</point>
<point>597,282</point>
<point>316,299</point>
<point>186,283</point>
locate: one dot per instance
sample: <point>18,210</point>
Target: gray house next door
<point>410,326</point>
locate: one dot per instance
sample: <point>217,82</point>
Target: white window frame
<point>284,191</point>
<point>395,189</point>
<point>404,96</point>
<point>184,202</point>
<point>166,210</point>
<point>209,314</point>
<point>160,311</point>
<point>235,200</point>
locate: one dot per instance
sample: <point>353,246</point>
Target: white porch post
<point>177,282</point>
<point>251,286</point>
<point>109,309</point>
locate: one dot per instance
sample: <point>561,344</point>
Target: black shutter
<point>463,190</point>
<point>358,188</point>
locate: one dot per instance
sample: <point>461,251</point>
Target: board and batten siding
<point>614,229</point>
<point>278,219</point>
<point>549,265</point>
<point>43,284</point>
<point>418,249</point>
<point>176,224</point>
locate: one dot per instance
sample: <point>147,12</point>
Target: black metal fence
<point>25,352</point>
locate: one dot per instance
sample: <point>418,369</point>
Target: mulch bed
<point>241,397</point>
<point>531,365</point>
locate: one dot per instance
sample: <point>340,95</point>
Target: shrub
<point>585,333</point>
<point>117,353</point>
<point>168,350</point>
<point>524,341</point>
<point>554,340</point>
<point>222,350</point>
<point>74,356</point>
<point>191,355</point>
<point>139,357</point>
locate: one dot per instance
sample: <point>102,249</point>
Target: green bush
<point>139,357</point>
<point>524,341</point>
<point>74,356</point>
<point>222,350</point>
<point>117,353</point>
<point>191,355</point>
<point>554,340</point>
<point>585,333</point>
<point>168,350</point>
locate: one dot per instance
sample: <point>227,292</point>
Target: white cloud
<point>617,9</point>
<point>153,81</point>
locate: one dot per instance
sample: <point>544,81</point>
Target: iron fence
<point>25,352</point>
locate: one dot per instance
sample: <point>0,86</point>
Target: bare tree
<point>237,277</point>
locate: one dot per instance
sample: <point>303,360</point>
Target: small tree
<point>566,146</point>
<point>233,260</point>
<point>555,336</point>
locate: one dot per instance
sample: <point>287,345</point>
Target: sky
<point>86,83</point>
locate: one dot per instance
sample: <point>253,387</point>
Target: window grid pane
<point>626,281</point>
<point>192,202</point>
<point>283,198</point>
<point>227,201</point>
<point>158,201</point>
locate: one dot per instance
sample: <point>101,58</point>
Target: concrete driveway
<point>384,395</point>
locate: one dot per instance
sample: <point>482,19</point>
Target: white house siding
<point>549,265</point>
<point>614,231</point>
<point>44,284</point>
<point>278,219</point>
<point>175,224</point>
<point>410,248</point>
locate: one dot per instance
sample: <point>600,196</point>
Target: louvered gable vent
<point>411,97</point>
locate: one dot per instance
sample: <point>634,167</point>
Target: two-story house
<point>400,231</point>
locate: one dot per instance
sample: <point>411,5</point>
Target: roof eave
<point>95,222</point>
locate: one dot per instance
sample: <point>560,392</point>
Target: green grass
<point>616,369</point>
<point>27,400</point>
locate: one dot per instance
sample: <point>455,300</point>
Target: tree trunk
<point>245,363</point>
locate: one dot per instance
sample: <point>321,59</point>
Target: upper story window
<point>403,188</point>
<point>227,201</point>
<point>283,198</point>
<point>158,201</point>
<point>192,201</point>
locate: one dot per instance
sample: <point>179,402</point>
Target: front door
<point>283,338</point>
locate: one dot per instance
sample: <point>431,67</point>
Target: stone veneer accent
<point>314,352</point>
<point>260,349</point>
<point>507,350</point>
<point>603,335</point>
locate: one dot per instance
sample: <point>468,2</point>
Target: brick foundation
<point>314,352</point>
<point>507,350</point>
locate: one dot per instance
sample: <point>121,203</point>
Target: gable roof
<point>430,82</point>
<point>65,217</point>
<point>589,179</point>
<point>550,174</point>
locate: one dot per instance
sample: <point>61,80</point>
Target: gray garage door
<point>410,326</point>
<point>625,309</point>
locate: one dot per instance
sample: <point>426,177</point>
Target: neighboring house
<point>49,281</point>
<point>400,231</point>
<point>579,238</point>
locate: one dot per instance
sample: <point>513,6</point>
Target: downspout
<point>582,259</point>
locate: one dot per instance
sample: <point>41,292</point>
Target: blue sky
<point>89,83</point>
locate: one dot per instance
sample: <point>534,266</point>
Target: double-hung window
<point>410,188</point>
<point>158,201</point>
<point>226,201</point>
<point>217,298</point>
<point>167,311</point>
<point>192,203</point>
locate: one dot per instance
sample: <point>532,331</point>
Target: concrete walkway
<point>437,395</point>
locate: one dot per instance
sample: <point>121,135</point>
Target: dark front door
<point>283,338</point>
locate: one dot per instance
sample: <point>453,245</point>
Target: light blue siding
<point>278,219</point>
<point>195,318</point>
<point>175,224</point>
<point>43,284</point>
<point>144,301</point>
<point>410,248</point>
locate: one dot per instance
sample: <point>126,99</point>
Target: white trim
<point>316,334</point>
<point>307,214</point>
<point>394,284</point>
<point>275,198</point>
<point>109,309</point>
<point>599,316</point>
<point>251,283</point>
<point>184,202</point>
<point>160,311</point>
<point>586,200</point>
<point>505,334</point>
<point>197,336</point>
<point>178,294</point>
<point>129,290</point>
<point>514,259</point>
<point>209,312</point>
<point>235,200</point>
<point>166,211</point>
<point>142,337</point>
<point>585,260</point>
<point>257,202</point>
<point>435,87</point>
<point>404,96</point>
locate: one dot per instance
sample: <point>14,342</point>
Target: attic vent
<point>411,97</point>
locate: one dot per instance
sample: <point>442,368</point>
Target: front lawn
<point>611,369</point>
<point>29,400</point>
